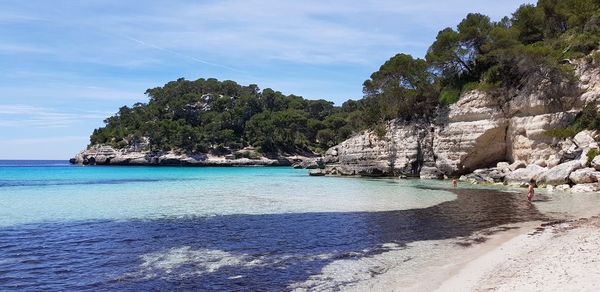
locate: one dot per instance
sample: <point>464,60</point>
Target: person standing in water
<point>454,182</point>
<point>530,191</point>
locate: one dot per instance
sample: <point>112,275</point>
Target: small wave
<point>185,261</point>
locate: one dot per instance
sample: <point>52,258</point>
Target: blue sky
<point>67,65</point>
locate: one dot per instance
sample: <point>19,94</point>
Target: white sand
<point>563,257</point>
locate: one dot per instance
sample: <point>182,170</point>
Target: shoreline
<point>555,256</point>
<point>473,262</point>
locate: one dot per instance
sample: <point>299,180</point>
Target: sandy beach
<point>556,256</point>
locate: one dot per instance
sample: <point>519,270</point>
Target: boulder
<point>428,172</point>
<point>503,167</point>
<point>552,161</point>
<point>584,138</point>
<point>486,175</point>
<point>596,162</point>
<point>472,178</point>
<point>571,154</point>
<point>586,188</point>
<point>559,174</point>
<point>491,175</point>
<point>517,165</point>
<point>522,176</point>
<point>584,176</point>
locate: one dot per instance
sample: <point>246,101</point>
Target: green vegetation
<point>209,115</point>
<point>587,119</point>
<point>592,153</point>
<point>503,58</point>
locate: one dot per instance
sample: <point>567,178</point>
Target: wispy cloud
<point>20,49</point>
<point>19,115</point>
<point>67,65</point>
<point>47,140</point>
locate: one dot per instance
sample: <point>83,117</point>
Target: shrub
<point>449,96</point>
<point>380,130</point>
<point>470,86</point>
<point>588,119</point>
<point>592,154</point>
<point>562,133</point>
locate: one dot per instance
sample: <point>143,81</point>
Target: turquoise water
<point>68,227</point>
<point>66,193</point>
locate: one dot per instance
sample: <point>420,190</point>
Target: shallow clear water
<point>137,228</point>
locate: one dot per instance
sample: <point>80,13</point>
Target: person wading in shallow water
<point>530,191</point>
<point>454,182</point>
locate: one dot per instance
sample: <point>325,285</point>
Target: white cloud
<point>47,140</point>
<point>18,116</point>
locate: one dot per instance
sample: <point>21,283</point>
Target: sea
<point>71,228</point>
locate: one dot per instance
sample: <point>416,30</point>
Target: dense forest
<point>502,57</point>
<point>207,114</point>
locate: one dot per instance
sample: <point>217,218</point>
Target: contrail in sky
<point>178,53</point>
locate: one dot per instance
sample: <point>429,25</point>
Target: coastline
<point>489,259</point>
<point>109,156</point>
<point>557,256</point>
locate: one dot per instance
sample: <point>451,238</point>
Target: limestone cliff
<point>476,132</point>
<point>106,155</point>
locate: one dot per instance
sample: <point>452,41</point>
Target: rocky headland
<point>136,156</point>
<point>486,139</point>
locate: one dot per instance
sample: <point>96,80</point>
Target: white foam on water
<point>185,262</point>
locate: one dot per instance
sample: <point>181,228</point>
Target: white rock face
<point>479,131</point>
<point>466,146</point>
<point>405,149</point>
<point>476,132</point>
<point>526,140</point>
<point>106,155</point>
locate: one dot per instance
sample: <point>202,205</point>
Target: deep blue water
<point>220,229</point>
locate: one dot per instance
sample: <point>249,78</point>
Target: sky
<point>67,65</point>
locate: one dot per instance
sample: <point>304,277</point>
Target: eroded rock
<point>559,174</point>
<point>523,176</point>
<point>584,176</point>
